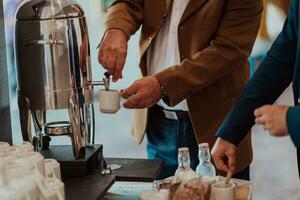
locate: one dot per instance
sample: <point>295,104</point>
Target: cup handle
<point>122,101</point>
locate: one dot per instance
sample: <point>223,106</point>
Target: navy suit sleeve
<point>293,124</point>
<point>269,81</point>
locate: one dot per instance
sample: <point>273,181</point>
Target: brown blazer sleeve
<point>126,15</point>
<point>229,50</point>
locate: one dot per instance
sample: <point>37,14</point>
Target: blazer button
<point>181,27</point>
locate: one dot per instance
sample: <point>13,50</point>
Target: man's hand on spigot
<point>113,52</point>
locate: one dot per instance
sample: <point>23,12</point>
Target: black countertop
<point>136,170</point>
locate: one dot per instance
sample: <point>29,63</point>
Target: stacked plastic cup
<point>26,175</point>
<point>24,147</point>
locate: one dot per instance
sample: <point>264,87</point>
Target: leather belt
<point>171,114</point>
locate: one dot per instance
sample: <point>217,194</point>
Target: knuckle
<point>109,69</point>
<point>273,132</point>
<point>104,47</point>
<point>118,69</point>
<point>268,106</point>
<point>231,153</point>
<point>101,47</point>
<point>100,60</point>
<point>100,57</point>
<point>112,62</point>
<point>129,103</point>
<point>123,51</point>
<point>100,52</point>
<point>109,48</point>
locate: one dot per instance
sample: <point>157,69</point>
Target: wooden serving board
<point>243,190</point>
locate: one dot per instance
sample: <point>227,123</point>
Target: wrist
<point>224,141</point>
<point>163,92</point>
<point>286,109</point>
<point>116,31</point>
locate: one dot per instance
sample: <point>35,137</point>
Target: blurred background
<point>274,169</point>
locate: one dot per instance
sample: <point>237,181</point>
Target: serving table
<point>126,183</point>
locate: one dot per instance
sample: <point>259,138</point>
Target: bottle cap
<point>203,146</point>
<point>183,151</point>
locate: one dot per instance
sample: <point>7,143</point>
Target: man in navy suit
<point>280,67</point>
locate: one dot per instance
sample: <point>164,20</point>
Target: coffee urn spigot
<point>105,82</point>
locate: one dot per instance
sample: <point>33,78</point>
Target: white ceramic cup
<point>221,191</point>
<point>109,101</point>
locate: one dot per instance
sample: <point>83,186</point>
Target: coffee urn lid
<point>48,9</point>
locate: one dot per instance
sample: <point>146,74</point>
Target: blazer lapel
<point>191,8</point>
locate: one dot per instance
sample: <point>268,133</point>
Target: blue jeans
<point>165,136</point>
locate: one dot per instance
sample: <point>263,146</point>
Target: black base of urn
<point>72,167</point>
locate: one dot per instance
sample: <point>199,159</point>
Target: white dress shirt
<point>164,51</point>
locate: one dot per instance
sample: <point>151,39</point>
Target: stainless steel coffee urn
<point>54,72</point>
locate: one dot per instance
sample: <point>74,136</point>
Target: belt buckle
<point>170,115</point>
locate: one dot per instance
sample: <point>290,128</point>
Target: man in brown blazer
<point>194,62</point>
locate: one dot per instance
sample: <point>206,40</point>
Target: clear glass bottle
<point>205,169</point>
<point>184,172</point>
